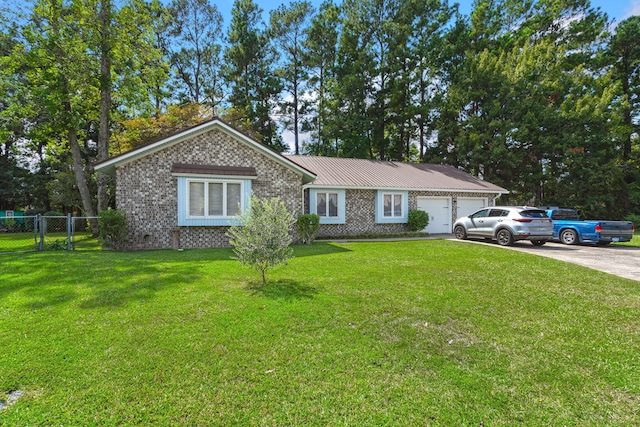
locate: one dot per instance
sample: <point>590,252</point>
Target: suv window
<point>499,212</point>
<point>480,214</point>
<point>534,213</point>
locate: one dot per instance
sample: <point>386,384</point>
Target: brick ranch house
<point>185,190</point>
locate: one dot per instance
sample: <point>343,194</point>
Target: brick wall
<point>360,212</point>
<point>147,191</point>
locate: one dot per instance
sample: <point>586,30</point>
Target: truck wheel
<point>460,232</point>
<point>504,237</point>
<point>569,237</point>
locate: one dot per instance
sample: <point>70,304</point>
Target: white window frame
<point>341,205</point>
<point>326,203</point>
<point>393,196</point>
<point>206,182</point>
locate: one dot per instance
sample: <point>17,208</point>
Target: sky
<point>618,10</point>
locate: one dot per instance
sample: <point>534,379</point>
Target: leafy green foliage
<point>308,226</point>
<point>249,71</point>
<point>418,220</point>
<point>262,239</point>
<point>635,219</point>
<point>57,245</point>
<point>113,228</point>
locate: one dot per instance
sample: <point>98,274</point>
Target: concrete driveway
<point>622,261</point>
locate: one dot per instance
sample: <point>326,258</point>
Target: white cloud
<point>632,9</point>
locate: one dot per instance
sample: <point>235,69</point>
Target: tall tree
<point>67,88</point>
<point>195,29</point>
<point>516,107</point>
<point>249,70</point>
<point>320,49</point>
<point>624,52</point>
<point>288,29</point>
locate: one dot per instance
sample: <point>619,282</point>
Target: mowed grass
<point>438,333</point>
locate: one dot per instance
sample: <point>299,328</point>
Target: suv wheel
<point>460,232</point>
<point>569,237</point>
<point>504,237</point>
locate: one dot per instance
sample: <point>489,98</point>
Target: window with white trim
<point>214,198</point>
<point>327,204</point>
<point>392,205</point>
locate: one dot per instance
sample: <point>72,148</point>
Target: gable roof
<point>109,165</point>
<point>375,174</point>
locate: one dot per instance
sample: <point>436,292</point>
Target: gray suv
<point>506,224</point>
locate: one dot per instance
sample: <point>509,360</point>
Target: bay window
<point>214,199</point>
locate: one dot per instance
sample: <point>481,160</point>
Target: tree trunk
<point>81,178</point>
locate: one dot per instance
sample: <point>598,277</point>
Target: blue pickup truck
<point>569,229</point>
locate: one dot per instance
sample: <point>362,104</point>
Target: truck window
<point>565,214</point>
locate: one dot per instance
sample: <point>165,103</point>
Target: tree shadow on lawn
<point>318,248</point>
<point>284,289</point>
<point>94,280</point>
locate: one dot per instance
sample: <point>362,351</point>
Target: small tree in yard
<point>263,238</point>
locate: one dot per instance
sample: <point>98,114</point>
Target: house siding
<point>148,192</point>
<point>360,215</point>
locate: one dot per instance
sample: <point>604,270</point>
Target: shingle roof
<point>376,174</point>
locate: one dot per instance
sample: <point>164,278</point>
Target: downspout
<point>304,187</point>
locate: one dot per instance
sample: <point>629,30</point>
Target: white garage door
<point>439,210</point>
<point>468,205</point>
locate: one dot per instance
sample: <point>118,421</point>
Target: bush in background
<point>308,226</point>
<point>635,219</point>
<point>418,220</point>
<point>113,228</point>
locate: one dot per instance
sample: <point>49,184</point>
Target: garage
<point>468,205</point>
<point>439,210</point>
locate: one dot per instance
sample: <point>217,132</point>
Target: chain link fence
<point>41,233</point>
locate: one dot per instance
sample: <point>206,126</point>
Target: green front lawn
<point>438,333</point>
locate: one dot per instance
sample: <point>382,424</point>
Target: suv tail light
<point>522,219</point>
<point>598,228</point>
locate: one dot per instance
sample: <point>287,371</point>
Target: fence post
<point>68,231</point>
<point>36,227</point>
<point>41,224</point>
